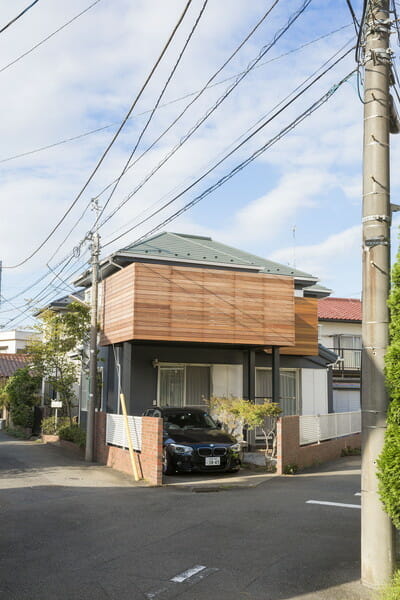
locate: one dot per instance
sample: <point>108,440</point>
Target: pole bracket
<point>381,218</point>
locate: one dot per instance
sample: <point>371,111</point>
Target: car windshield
<point>189,420</point>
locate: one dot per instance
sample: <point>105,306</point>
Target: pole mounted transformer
<point>377,533</point>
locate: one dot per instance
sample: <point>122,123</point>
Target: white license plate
<point>213,461</point>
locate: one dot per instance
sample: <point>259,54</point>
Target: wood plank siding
<point>306,325</point>
<point>170,303</point>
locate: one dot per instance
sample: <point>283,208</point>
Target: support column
<point>126,375</point>
<point>276,366</point>
<point>251,375</point>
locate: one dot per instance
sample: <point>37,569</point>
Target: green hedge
<point>73,433</point>
<point>392,591</point>
<point>51,427</point>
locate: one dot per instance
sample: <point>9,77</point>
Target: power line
<point>106,151</point>
<point>212,109</point>
<point>144,129</point>
<point>197,95</point>
<point>18,16</point>
<point>10,64</point>
<point>234,142</point>
<point>170,102</point>
<point>250,159</point>
<point>250,136</point>
<point>353,16</point>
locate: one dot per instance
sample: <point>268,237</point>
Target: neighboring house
<point>184,318</point>
<point>9,363</point>
<point>340,330</point>
<point>15,341</point>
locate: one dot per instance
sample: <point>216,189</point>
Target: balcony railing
<point>349,359</point>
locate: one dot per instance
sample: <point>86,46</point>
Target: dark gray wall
<point>139,377</point>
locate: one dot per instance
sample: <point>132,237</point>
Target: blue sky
<point>87,76</point>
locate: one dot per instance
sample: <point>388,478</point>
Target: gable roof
<point>340,309</point>
<point>182,246</point>
<point>9,363</point>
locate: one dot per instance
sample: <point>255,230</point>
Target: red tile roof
<point>9,363</point>
<point>339,309</point>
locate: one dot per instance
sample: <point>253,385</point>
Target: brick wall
<point>148,461</point>
<point>289,450</point>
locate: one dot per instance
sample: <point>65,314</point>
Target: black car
<point>193,441</point>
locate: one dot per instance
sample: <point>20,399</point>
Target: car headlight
<point>178,449</point>
<point>236,447</point>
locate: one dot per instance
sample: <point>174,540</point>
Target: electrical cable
<point>111,143</point>
<point>18,16</point>
<point>193,129</point>
<point>10,64</point>
<point>170,102</point>
<point>234,142</point>
<point>250,159</point>
<point>353,16</point>
<point>197,95</point>
<point>144,129</point>
<point>237,147</point>
<point>360,31</point>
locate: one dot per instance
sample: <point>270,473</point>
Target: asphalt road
<point>74,531</point>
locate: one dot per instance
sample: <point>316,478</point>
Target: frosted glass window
<point>227,381</point>
<point>172,382</point>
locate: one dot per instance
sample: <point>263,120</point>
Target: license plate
<point>213,461</point>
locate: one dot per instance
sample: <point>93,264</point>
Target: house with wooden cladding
<point>184,317</point>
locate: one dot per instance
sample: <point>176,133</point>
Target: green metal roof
<point>180,246</point>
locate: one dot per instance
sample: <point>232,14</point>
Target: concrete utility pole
<point>377,535</point>
<point>93,342</point>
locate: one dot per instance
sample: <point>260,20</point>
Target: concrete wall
<point>148,461</point>
<point>290,452</point>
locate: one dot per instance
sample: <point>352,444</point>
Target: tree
<point>389,460</point>
<point>55,357</point>
<point>21,393</point>
<point>236,413</point>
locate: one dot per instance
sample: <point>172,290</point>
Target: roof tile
<point>339,309</point>
<point>9,363</point>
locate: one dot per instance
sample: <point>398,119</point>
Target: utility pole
<point>93,339</point>
<point>377,534</point>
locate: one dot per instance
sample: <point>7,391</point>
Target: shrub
<point>392,591</point>
<point>73,433</point>
<point>290,469</point>
<point>349,451</point>
<point>50,427</point>
<point>389,471</point>
<point>22,415</point>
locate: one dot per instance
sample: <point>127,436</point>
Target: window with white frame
<point>194,384</point>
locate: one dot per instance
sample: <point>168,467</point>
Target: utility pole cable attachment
<point>92,404</point>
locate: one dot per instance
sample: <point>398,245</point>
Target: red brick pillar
<point>151,453</point>
<point>288,442</point>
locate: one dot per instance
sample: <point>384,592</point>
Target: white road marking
<point>357,494</point>
<point>189,573</point>
<point>334,504</point>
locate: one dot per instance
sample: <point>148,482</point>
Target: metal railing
<point>349,359</point>
<point>316,428</point>
<point>116,435</point>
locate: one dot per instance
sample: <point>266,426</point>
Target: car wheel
<point>168,469</point>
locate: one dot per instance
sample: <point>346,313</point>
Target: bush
<point>389,472</point>
<point>392,591</point>
<point>73,433</point>
<point>22,415</point>
<point>349,451</point>
<point>290,469</point>
<point>50,427</point>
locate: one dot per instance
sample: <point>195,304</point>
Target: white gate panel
<point>314,391</point>
<point>116,434</point>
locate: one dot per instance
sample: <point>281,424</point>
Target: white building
<point>15,341</point>
<point>339,325</point>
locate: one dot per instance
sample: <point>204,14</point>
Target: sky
<point>297,203</point>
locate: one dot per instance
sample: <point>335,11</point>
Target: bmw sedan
<point>193,441</point>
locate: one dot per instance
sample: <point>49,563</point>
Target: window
<point>192,385</point>
<point>289,395</point>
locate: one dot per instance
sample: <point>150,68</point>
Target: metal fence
<point>349,359</point>
<point>316,428</point>
<point>116,434</point>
